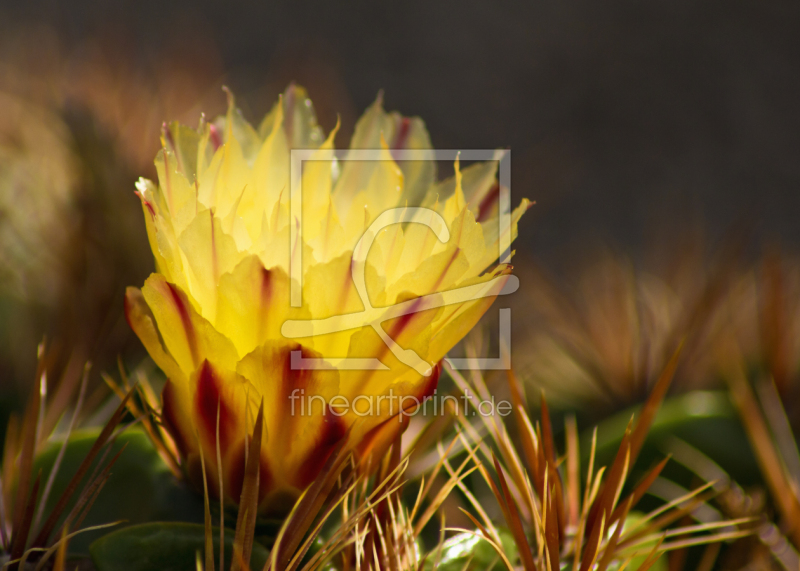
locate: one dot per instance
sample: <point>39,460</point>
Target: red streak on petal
<point>214,136</point>
<point>207,398</point>
<point>168,135</point>
<point>446,269</point>
<point>398,325</point>
<point>266,300</point>
<point>181,304</point>
<point>401,137</point>
<point>294,379</point>
<point>332,431</point>
<point>402,322</point>
<point>348,285</point>
<point>170,417</point>
<point>488,202</point>
<point>147,204</point>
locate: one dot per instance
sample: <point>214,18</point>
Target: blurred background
<point>660,141</point>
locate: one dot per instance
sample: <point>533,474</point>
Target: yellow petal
<point>296,408</point>
<point>253,303</point>
<point>188,337</point>
<point>141,320</point>
<point>210,253</point>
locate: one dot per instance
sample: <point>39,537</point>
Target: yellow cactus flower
<point>228,247</point>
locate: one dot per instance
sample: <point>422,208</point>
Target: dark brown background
<point>622,116</point>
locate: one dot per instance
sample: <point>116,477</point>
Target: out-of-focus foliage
<point>78,125</point>
<point>598,339</point>
<point>37,182</point>
<point>163,546</point>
